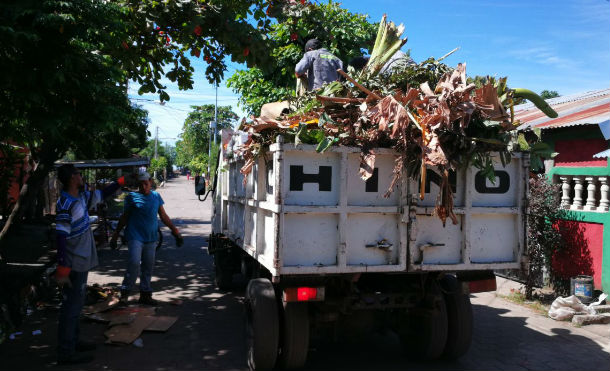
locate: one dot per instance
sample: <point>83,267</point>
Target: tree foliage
<point>168,153</point>
<point>158,164</point>
<point>192,148</point>
<point>157,34</point>
<point>343,33</point>
<point>66,64</point>
<point>547,94</point>
<point>60,90</point>
<point>543,236</point>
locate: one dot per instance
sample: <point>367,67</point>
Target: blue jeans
<point>141,262</point>
<point>73,299</point>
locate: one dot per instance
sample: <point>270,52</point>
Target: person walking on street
<point>76,256</point>
<point>318,64</point>
<point>140,215</point>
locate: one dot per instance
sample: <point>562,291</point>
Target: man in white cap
<point>140,215</point>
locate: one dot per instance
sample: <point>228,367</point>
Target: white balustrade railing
<point>573,195</point>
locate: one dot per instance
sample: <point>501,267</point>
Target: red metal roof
<point>578,109</point>
<point>579,116</point>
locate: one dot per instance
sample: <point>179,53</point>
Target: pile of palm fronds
<point>429,113</point>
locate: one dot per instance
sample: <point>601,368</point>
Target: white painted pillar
<point>591,187</point>
<point>578,188</point>
<point>565,189</point>
<point>604,202</point>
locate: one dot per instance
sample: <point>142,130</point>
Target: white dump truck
<point>316,243</point>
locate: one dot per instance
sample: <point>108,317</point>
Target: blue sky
<point>539,44</point>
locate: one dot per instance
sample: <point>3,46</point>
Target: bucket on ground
<point>582,287</point>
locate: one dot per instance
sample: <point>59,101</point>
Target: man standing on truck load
<point>318,64</point>
<point>140,216</point>
<point>76,255</point>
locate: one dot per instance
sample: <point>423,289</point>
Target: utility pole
<point>212,133</point>
<point>156,140</point>
<point>216,114</point>
<point>156,143</point>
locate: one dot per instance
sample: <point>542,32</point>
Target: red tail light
<point>482,285</point>
<point>303,294</point>
<point>306,293</point>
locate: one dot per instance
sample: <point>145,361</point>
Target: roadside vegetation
<point>192,149</point>
<point>538,302</point>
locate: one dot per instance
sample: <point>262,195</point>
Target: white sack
<point>564,309</point>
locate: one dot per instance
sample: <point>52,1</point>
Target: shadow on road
<point>210,331</point>
<point>500,342</point>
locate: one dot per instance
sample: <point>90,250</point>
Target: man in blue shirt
<point>76,255</point>
<point>140,216</point>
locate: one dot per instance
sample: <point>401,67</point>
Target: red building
<point>580,136</point>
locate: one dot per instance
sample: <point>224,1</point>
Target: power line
<point>170,103</point>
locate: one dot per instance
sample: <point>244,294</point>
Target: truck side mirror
<point>199,186</point>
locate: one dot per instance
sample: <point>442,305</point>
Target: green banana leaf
<point>326,143</point>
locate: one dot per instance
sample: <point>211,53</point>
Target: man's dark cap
<point>313,44</point>
<point>64,173</point>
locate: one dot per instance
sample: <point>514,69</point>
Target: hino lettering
<point>323,178</point>
<point>480,181</point>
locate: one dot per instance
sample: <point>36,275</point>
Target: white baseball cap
<point>143,176</point>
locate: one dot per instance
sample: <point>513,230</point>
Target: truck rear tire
<point>460,322</point>
<point>262,324</point>
<point>424,331</point>
<point>295,336</point>
<point>222,269</point>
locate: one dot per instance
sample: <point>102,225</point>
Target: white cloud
<point>542,55</point>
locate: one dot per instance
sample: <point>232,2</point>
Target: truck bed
<point>302,212</point>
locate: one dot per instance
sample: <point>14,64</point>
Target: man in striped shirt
<point>76,255</point>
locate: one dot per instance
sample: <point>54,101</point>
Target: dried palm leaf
<point>444,202</point>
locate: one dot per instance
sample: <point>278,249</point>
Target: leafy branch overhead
<point>343,33</point>
<point>66,65</point>
<point>429,113</point>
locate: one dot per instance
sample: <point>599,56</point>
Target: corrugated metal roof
<point>592,107</point>
<point>112,163</point>
<point>602,154</point>
<point>593,115</point>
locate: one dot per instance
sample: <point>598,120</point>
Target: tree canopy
<point>166,155</point>
<point>547,94</point>
<point>192,148</point>
<point>343,33</point>
<point>66,64</point>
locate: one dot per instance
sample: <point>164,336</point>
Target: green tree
<point>192,148</point>
<point>65,67</point>
<point>167,152</point>
<point>546,94</point>
<point>543,236</point>
<point>60,92</point>
<point>343,33</point>
<point>158,164</point>
<point>154,35</point>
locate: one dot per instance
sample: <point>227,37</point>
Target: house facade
<point>580,136</point>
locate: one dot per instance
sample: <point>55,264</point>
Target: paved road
<point>210,333</point>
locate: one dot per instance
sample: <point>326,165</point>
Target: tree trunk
<point>29,191</point>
